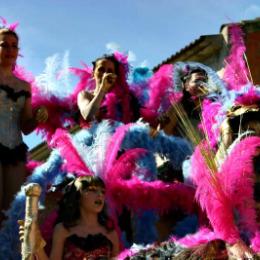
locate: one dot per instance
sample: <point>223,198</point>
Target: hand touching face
<point>196,85</point>
<point>104,74</point>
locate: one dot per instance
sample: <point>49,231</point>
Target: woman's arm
<point>30,118</point>
<point>58,240</point>
<point>115,241</point>
<point>89,104</point>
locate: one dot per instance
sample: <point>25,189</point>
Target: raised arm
<point>89,104</point>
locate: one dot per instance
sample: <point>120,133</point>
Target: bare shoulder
<point>23,84</point>
<point>113,236</point>
<point>85,94</point>
<point>61,231</point>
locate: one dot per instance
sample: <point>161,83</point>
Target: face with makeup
<point>195,84</point>
<point>8,48</point>
<point>102,67</point>
<point>93,199</point>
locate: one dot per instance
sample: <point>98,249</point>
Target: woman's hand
<point>41,114</point>
<point>108,81</point>
<point>240,251</point>
<point>38,241</point>
<point>21,230</point>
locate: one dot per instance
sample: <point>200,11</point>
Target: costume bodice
<point>11,105</point>
<point>92,247</point>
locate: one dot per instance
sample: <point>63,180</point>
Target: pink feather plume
<point>236,178</point>
<point>212,199</point>
<point>73,162</point>
<point>236,72</point>
<point>209,112</point>
<point>159,83</point>
<point>114,147</point>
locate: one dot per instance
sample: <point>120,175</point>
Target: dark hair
<point>69,205</point>
<point>109,57</point>
<point>6,31</point>
<point>187,76</point>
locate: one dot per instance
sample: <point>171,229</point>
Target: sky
<point>150,31</point>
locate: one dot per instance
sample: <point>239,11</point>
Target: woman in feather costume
<point>16,115</point>
<point>111,97</point>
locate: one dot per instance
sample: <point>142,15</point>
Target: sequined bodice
<point>11,105</point>
<point>91,247</point>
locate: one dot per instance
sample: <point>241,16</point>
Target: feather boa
<point>58,107</point>
<point>202,236</point>
<point>63,109</point>
<point>129,190</point>
<point>176,149</point>
<point>32,165</point>
<point>51,90</point>
<point>155,195</point>
<point>170,248</point>
<point>119,94</point>
<point>139,84</point>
